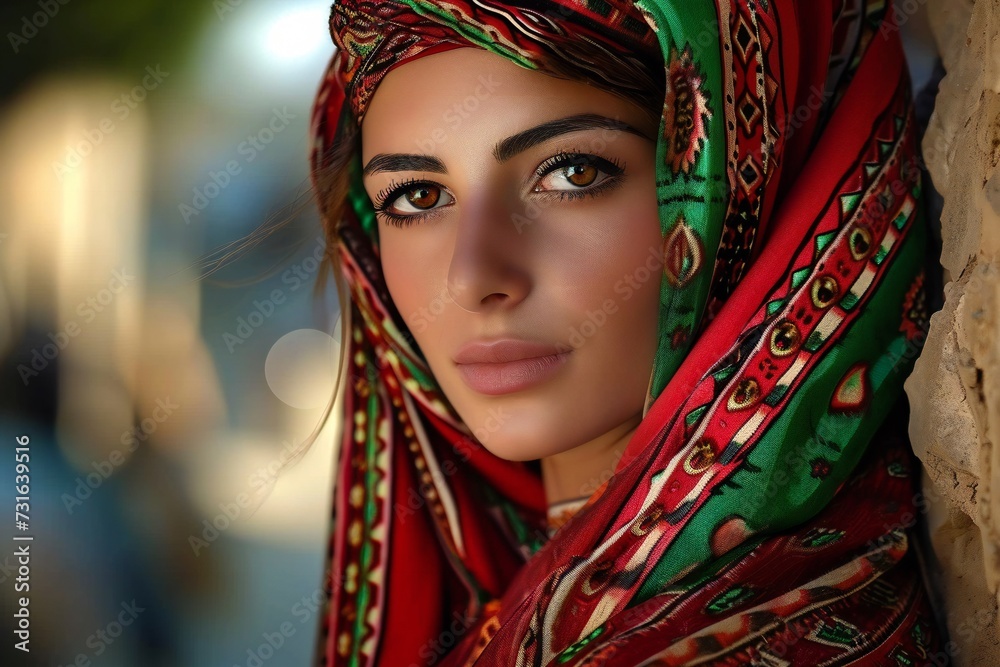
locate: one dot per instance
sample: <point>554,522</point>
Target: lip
<point>508,365</point>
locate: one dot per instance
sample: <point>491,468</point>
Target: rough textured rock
<point>954,391</point>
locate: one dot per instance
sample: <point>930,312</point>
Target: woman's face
<point>514,206</point>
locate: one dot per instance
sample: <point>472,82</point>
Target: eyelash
<point>612,166</point>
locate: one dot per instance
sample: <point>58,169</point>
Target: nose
<point>490,261</point>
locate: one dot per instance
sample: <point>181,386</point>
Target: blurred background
<point>136,139</point>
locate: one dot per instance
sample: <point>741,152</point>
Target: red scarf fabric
<point>762,513</point>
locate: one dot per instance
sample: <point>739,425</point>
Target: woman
<point>671,252</point>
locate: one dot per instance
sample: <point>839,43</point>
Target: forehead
<point>470,95</point>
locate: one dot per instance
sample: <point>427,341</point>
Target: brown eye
<point>412,200</point>
<point>425,196</point>
<point>576,172</point>
<point>581,175</point>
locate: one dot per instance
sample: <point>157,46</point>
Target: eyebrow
<point>506,148</point>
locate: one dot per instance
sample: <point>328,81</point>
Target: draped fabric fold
<point>762,514</point>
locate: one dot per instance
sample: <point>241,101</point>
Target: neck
<point>578,472</point>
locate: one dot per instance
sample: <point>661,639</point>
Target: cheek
<point>415,273</point>
<point>619,265</point>
<point>615,301</point>
<point>406,283</point>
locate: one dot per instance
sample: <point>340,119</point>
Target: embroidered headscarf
<point>762,511</point>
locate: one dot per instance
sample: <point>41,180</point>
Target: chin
<point>513,447</point>
<point>512,451</point>
<point>514,428</point>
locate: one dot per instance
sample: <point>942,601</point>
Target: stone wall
<point>954,390</point>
